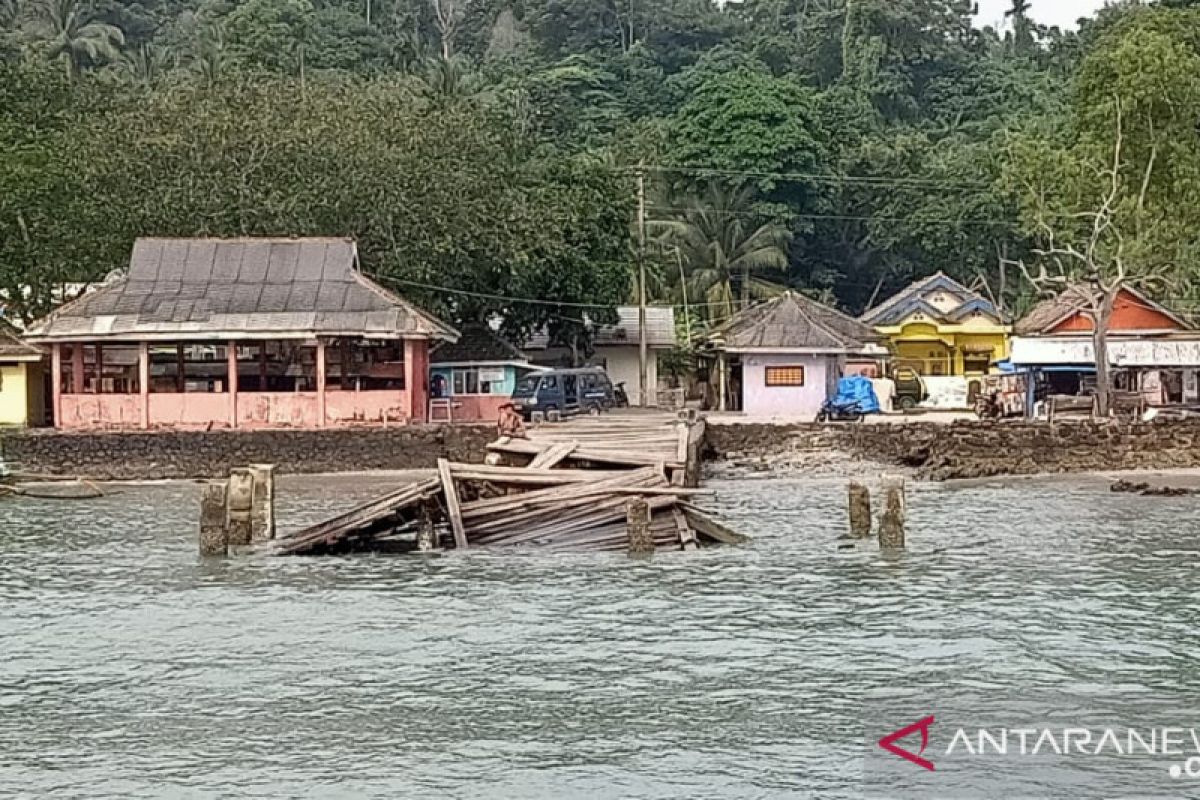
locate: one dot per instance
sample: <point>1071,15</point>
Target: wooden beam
<point>553,456</point>
<point>453,509</point>
<point>703,523</point>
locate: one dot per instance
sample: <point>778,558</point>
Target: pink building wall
<point>195,410</point>
<point>760,400</point>
<point>366,407</point>
<point>82,411</point>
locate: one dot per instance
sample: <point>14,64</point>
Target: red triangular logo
<point>889,743</point>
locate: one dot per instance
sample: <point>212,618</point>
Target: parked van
<point>565,392</point>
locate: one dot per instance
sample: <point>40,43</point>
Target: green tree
<point>726,246</point>
<point>70,33</point>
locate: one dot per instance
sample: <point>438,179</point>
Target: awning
<point>1061,350</point>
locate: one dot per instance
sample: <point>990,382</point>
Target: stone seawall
<point>979,449</point>
<point>211,454</point>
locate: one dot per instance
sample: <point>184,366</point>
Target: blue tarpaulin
<point>857,389</point>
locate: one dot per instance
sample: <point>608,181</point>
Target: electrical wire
<point>868,180</point>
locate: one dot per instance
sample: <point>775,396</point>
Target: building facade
<point>937,327</point>
<point>239,333</point>
<point>1154,354</point>
<point>470,379</point>
<point>784,358</point>
<point>617,349</point>
<point>22,396</point>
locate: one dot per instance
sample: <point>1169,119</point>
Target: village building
<point>239,333</point>
<point>616,348</point>
<point>22,393</point>
<point>1154,353</point>
<point>471,378</point>
<point>784,358</point>
<point>939,328</point>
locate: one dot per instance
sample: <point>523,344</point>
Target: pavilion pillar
<point>416,378</point>
<point>98,387</point>
<point>721,367</point>
<point>144,381</point>
<point>231,381</point>
<point>76,368</point>
<point>321,417</point>
<point>56,386</point>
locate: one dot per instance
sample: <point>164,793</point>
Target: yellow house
<point>937,326</point>
<point>22,391</point>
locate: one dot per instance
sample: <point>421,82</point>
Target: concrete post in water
<point>241,504</point>
<point>262,503</point>
<point>860,510</point>
<point>891,522</point>
<point>426,536</point>
<point>214,535</point>
<point>637,526</point>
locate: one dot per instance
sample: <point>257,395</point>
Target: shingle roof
<point>477,344</point>
<point>206,289</point>
<point>13,349</point>
<point>660,329</point>
<point>1050,313</point>
<point>793,322</point>
<point>906,300</point>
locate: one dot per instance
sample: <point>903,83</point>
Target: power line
<point>870,180</point>
<point>834,217</point>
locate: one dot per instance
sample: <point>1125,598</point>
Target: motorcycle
<point>620,397</point>
<point>987,406</point>
<point>833,411</point>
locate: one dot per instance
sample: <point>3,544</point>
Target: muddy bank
<point>963,450</point>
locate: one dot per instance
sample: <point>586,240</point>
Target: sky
<point>1062,13</point>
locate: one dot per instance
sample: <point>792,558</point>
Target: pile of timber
<point>637,440</point>
<point>545,503</point>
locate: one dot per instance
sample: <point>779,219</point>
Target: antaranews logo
<point>889,742</point>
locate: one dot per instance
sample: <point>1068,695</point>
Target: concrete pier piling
<point>891,522</point>
<point>637,525</point>
<point>262,502</point>
<point>241,505</point>
<point>426,535</point>
<point>214,534</point>
<point>859,507</point>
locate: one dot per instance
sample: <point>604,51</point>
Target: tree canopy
<point>485,153</point>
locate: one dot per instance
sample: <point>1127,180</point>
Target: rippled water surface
<point>131,668</point>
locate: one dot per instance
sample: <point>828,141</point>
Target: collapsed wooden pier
<point>586,492</point>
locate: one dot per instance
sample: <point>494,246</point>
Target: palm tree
<point>145,65</point>
<point>726,245</point>
<point>73,34</point>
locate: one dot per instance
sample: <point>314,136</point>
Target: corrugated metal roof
<point>660,329</point>
<point>793,322</point>
<point>203,289</point>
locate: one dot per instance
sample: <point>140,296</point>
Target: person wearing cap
<point>510,423</point>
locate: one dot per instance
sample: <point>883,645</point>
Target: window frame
<point>783,383</point>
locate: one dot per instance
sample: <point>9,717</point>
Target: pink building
<point>239,333</point>
<point>783,358</point>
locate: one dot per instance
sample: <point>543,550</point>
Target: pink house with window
<point>783,358</point>
<point>239,333</point>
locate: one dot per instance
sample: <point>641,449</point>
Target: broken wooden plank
<point>687,537</point>
<point>703,523</point>
<point>356,519</point>
<point>553,456</point>
<point>453,510</point>
<point>525,476</point>
<point>630,458</point>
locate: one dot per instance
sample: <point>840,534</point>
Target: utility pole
<point>644,399</point>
